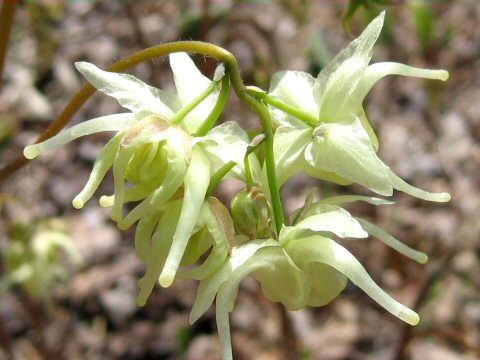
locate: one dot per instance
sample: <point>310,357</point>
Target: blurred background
<point>69,278</point>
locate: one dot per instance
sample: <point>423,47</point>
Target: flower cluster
<point>164,161</point>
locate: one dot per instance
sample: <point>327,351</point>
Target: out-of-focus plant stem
<point>160,50</point>
<point>7,14</point>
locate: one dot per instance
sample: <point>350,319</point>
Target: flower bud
<point>250,213</point>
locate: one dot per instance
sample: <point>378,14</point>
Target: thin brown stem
<point>6,341</point>
<point>7,15</point>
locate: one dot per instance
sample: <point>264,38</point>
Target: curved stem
<point>218,176</point>
<point>160,50</point>
<point>307,118</point>
<point>178,117</point>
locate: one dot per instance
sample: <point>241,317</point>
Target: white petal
<point>227,293</point>
<point>197,180</point>
<point>345,150</point>
<point>394,243</point>
<point>158,247</point>
<point>100,168</point>
<point>338,80</point>
<point>216,218</point>
<point>288,146</point>
<point>375,72</point>
<point>190,83</point>
<point>324,218</point>
<point>224,143</point>
<point>115,122</point>
<point>319,249</point>
<point>130,92</point>
<point>342,199</point>
<point>208,287</point>
<point>401,185</point>
<point>293,88</point>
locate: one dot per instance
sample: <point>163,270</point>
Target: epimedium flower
<point>304,267</point>
<point>156,152</point>
<point>213,232</point>
<point>322,127</point>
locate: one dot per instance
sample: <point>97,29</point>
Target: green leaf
<point>130,92</point>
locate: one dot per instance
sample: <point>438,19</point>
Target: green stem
<point>248,173</point>
<point>218,109</point>
<point>272,180</point>
<point>7,15</point>
<point>218,176</point>
<point>307,118</point>
<point>200,47</point>
<point>179,116</point>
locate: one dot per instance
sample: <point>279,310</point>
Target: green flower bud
<point>251,215</point>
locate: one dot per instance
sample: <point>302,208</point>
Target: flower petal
<point>324,218</point>
<point>102,164</point>
<point>224,143</point>
<point>326,283</point>
<point>375,72</point>
<point>197,180</point>
<point>115,122</point>
<point>160,243</point>
<point>345,149</point>
<point>216,218</point>
<point>288,146</point>
<point>394,243</point>
<point>293,88</point>
<point>130,92</point>
<point>401,185</point>
<point>190,83</point>
<point>264,258</point>
<point>174,178</point>
<point>208,287</point>
<point>342,199</point>
<point>319,249</point>
<point>337,81</point>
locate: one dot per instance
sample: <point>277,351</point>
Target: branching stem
<point>200,47</point>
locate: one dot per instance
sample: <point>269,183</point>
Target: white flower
<point>338,144</point>
<point>155,150</point>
